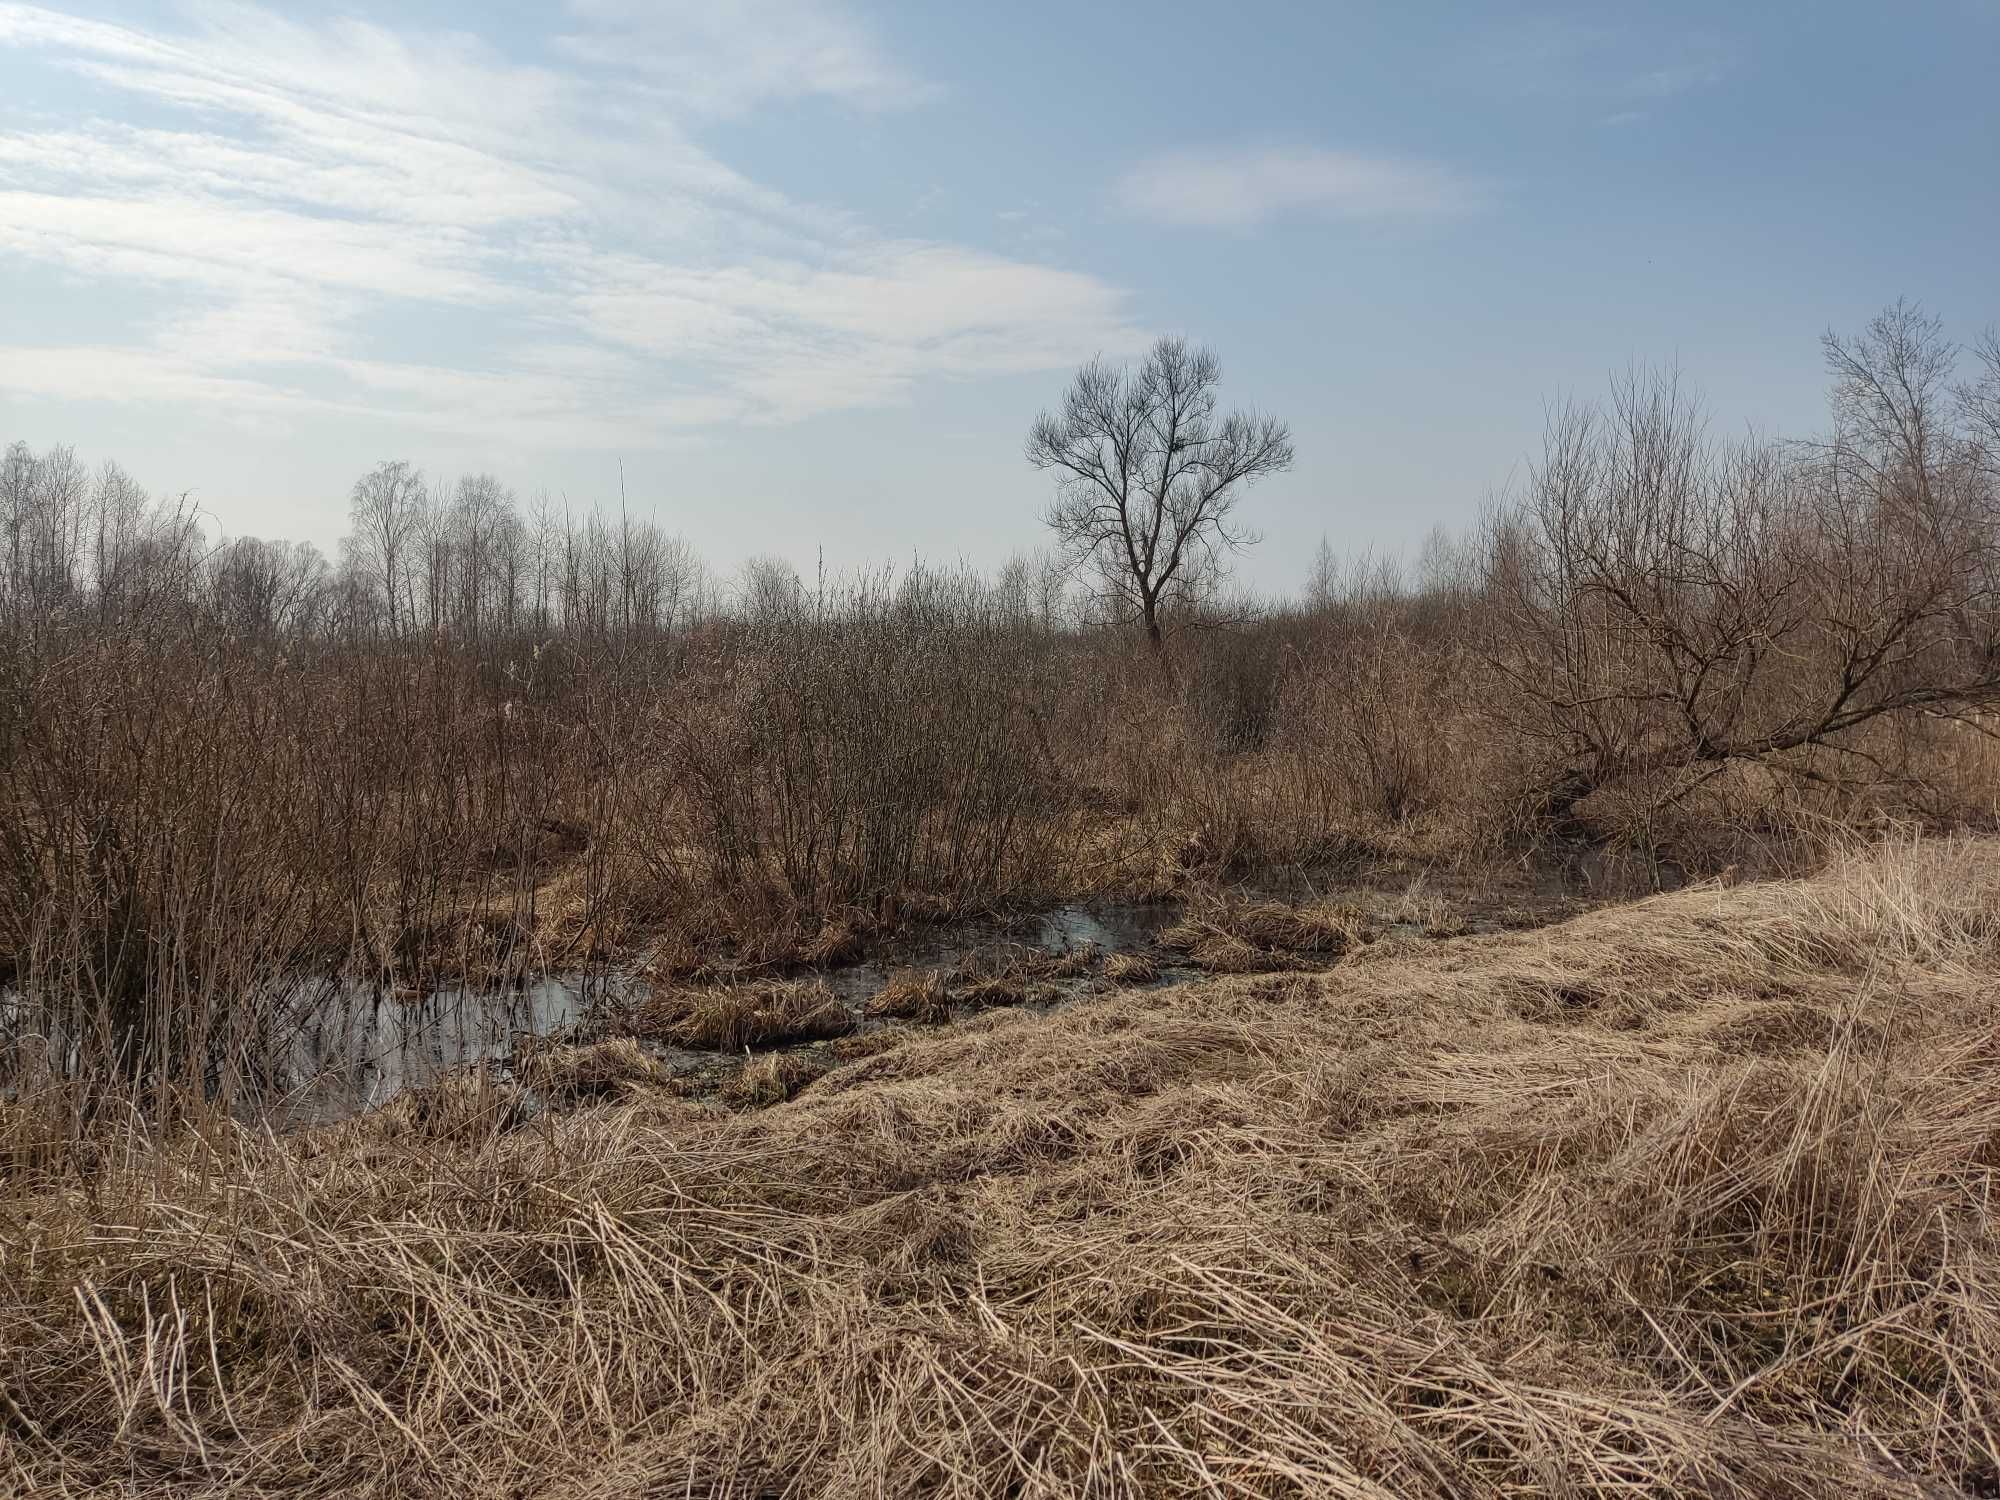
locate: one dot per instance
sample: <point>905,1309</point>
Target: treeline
<point>421,559</point>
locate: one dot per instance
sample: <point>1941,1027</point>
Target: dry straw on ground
<point>771,1079</point>
<point>913,995</point>
<point>1130,968</point>
<point>728,1018</point>
<point>1690,1197</point>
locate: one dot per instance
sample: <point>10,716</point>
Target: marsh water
<point>357,1047</point>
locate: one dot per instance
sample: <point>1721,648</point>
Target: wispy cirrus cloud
<point>288,194</point>
<point>1626,69</point>
<point>1243,187</point>
<point>728,58</point>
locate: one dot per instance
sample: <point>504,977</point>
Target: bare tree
<point>388,508</point>
<point>17,504</point>
<point>479,534</point>
<point>1151,477</point>
<point>1031,590</point>
<point>1661,602</point>
<point>770,588</point>
<point>1979,400</point>
<point>1323,578</point>
<point>120,508</point>
<point>545,527</point>
<point>46,507</point>
<point>263,588</point>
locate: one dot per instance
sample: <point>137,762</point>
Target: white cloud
<point>725,58</point>
<point>1231,188</point>
<point>298,189</point>
<point>1603,63</point>
<point>1703,67</point>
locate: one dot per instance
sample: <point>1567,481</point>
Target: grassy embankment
<point>1688,1196</point>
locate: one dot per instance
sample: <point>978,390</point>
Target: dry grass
<point>1223,934</point>
<point>771,1079</point>
<point>1013,985</point>
<point>982,979</point>
<point>1020,976</point>
<point>464,1107</point>
<point>729,1018</point>
<point>912,995</point>
<point>1130,968</point>
<point>1071,963</point>
<point>565,1073</point>
<point>1691,1197</point>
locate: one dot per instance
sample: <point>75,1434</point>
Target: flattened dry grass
<point>1692,1197</point>
<point>912,995</point>
<point>1229,935</point>
<point>770,1079</point>
<point>982,979</point>
<point>1130,968</point>
<point>729,1018</point>
<point>568,1073</point>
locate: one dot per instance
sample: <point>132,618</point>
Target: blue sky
<point>808,268</point>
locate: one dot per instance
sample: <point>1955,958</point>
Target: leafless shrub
<point>1664,601</point>
<point>876,740</point>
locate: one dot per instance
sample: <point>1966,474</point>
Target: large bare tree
<point>1151,476</point>
<point>1663,602</point>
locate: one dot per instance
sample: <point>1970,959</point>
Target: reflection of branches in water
<point>356,1048</point>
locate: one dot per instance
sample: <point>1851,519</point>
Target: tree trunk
<point>1154,638</point>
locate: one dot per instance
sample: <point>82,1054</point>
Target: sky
<point>794,276</point>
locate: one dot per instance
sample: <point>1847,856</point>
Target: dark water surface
<point>358,1048</point>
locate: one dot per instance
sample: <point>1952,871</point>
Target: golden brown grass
<point>981,979</point>
<point>728,1018</point>
<point>912,995</point>
<point>1130,968</point>
<point>569,1073</point>
<point>1690,1197</point>
<point>1224,934</point>
<point>770,1079</point>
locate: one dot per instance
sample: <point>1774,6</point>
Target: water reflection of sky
<point>358,1048</point>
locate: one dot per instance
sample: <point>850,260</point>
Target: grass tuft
<point>729,1018</point>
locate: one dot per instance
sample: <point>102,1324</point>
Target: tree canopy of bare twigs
<point>1151,475</point>
<point>1663,599</point>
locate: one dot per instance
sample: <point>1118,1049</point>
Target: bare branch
<point>1150,477</point>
